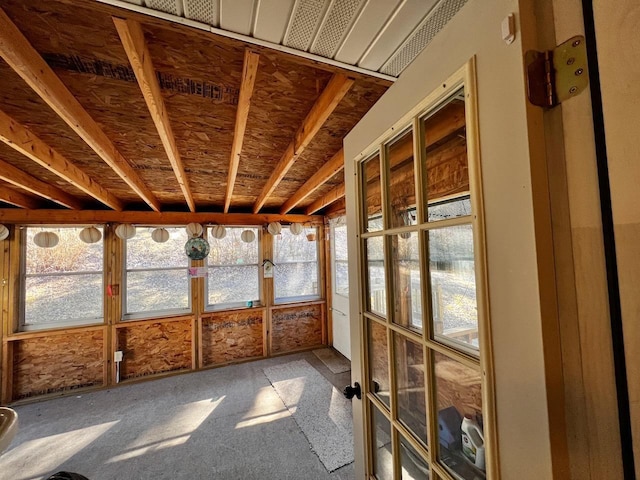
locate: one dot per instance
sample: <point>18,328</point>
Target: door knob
<point>349,391</point>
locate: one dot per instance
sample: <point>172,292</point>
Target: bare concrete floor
<point>224,424</point>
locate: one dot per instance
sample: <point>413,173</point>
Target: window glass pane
<point>62,284</point>
<point>381,432</point>
<point>70,254</point>
<point>446,163</point>
<point>296,272</point>
<point>232,250</point>
<point>412,407</point>
<point>63,298</point>
<point>456,207</point>
<point>453,285</point>
<point>402,186</point>
<point>377,294</point>
<point>414,466</point>
<point>379,361</point>
<point>234,273</point>
<point>406,281</point>
<point>143,252</point>
<point>157,279</point>
<point>459,404</point>
<point>340,261</point>
<point>157,290</point>
<point>372,194</point>
<point>237,284</point>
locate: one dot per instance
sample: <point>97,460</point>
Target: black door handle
<point>349,391</point>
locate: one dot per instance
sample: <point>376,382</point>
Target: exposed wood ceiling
<point>102,108</point>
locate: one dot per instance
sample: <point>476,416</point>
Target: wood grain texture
<point>135,46</point>
<point>57,363</point>
<point>296,328</point>
<point>327,171</point>
<point>21,179</point>
<point>40,216</point>
<point>231,336</point>
<point>23,140</point>
<point>331,96</point>
<point>16,50</point>
<point>327,199</point>
<point>249,73</point>
<point>14,197</point>
<point>154,348</point>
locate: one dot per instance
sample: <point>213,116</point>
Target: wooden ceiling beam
<point>23,140</point>
<point>17,177</point>
<point>249,73</point>
<point>319,178</point>
<point>18,199</point>
<point>85,217</point>
<point>328,100</point>
<point>16,50</point>
<point>132,38</point>
<point>327,199</point>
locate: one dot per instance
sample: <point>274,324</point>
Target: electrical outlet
<point>118,356</point>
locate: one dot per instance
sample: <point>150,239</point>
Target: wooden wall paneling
<point>233,335</point>
<point>155,346</point>
<point>295,328</point>
<point>57,362</point>
<point>7,372</point>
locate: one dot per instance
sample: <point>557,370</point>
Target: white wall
<point>523,430</point>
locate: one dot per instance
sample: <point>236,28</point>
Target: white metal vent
<point>303,26</point>
<point>205,11</point>
<point>135,2</point>
<point>422,36</point>
<point>341,15</point>
<point>168,6</point>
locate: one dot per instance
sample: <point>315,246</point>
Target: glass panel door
<point>423,297</point>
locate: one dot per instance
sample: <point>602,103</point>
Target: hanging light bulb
<point>295,228</point>
<point>218,231</point>
<point>248,236</point>
<point>125,231</point>
<point>4,232</point>
<point>194,230</point>
<point>90,235</point>
<point>274,228</point>
<point>160,235</point>
<point>46,239</point>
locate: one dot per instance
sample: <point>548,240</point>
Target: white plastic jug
<point>473,442</point>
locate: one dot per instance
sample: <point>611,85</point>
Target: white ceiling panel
<point>237,15</point>
<point>408,16</point>
<point>372,18</point>
<point>339,17</point>
<point>377,37</point>
<point>205,11</point>
<point>305,20</point>
<point>168,6</point>
<point>272,18</point>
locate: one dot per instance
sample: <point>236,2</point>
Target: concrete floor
<point>223,424</point>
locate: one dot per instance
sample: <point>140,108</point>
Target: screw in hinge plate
<point>556,75</point>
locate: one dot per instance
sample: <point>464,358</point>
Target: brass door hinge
<point>557,75</point>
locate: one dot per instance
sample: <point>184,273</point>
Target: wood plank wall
<point>41,364</point>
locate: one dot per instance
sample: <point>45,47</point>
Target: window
<point>156,280</point>
<point>296,272</point>
<point>63,285</point>
<point>340,261</point>
<point>234,271</point>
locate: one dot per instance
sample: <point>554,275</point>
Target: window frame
<point>23,275</point>
<point>337,262</point>
<point>173,312</point>
<point>217,307</point>
<point>300,298</point>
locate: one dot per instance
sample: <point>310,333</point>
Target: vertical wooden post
<point>268,299</point>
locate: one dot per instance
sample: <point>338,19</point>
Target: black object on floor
<point>67,476</point>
